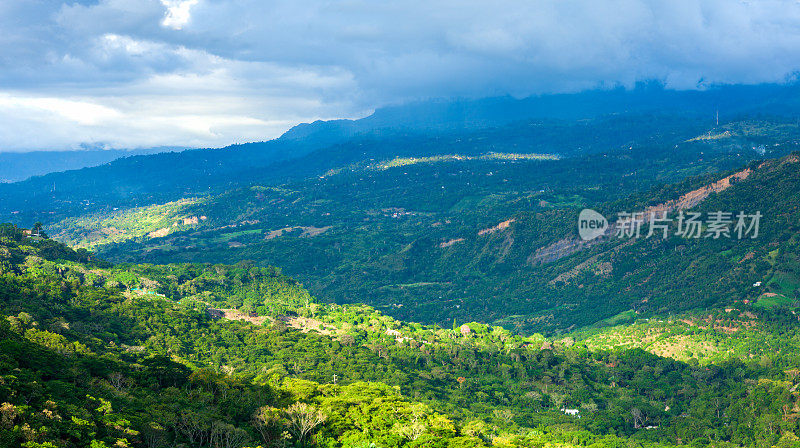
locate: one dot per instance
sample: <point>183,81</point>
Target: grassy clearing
<point>405,161</point>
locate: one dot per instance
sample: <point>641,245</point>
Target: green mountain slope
<point>155,179</point>
<point>467,236</point>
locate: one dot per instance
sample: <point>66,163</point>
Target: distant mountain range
<point>441,115</point>
<point>18,166</point>
<point>564,124</point>
<point>722,102</point>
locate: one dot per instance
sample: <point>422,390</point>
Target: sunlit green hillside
<point>98,355</point>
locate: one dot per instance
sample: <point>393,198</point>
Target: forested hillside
<point>482,236</point>
<point>141,355</point>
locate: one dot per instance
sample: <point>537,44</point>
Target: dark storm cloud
<point>220,71</point>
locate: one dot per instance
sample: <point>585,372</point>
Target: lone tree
<point>638,418</point>
<point>268,421</point>
<point>303,418</point>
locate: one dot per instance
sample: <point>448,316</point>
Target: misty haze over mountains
<point>443,116</point>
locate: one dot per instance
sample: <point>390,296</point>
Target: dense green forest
<point>204,355</point>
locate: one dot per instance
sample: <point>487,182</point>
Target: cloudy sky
<point>142,73</point>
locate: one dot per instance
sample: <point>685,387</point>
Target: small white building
<point>572,412</point>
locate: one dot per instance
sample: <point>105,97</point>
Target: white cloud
<point>178,13</point>
<point>212,101</point>
<point>78,112</point>
<point>125,122</point>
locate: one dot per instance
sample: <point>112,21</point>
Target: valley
<point>413,290</point>
<point>480,237</point>
<point>399,224</point>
